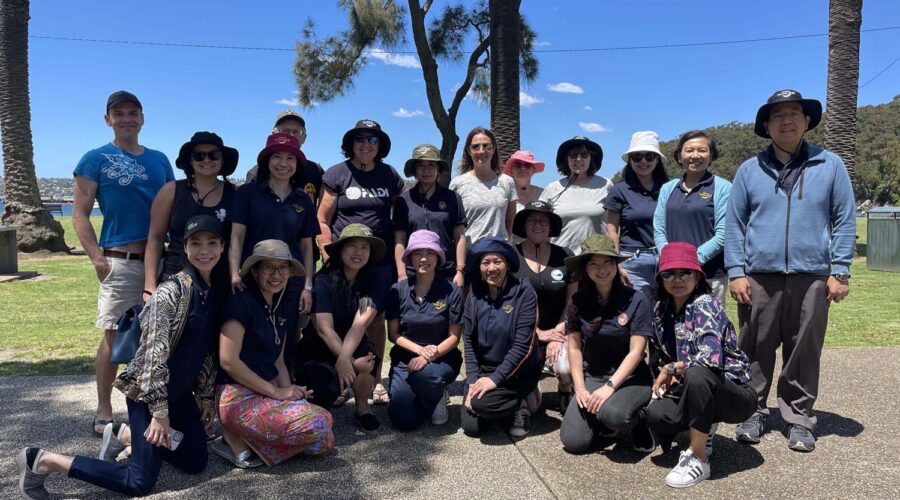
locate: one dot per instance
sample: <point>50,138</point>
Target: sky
<point>604,94</point>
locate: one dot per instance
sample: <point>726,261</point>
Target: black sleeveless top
<point>184,206</point>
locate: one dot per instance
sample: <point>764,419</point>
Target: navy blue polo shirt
<point>268,217</point>
<point>427,323</point>
<point>365,198</point>
<point>691,218</point>
<point>265,329</point>
<point>606,331</point>
<point>333,295</point>
<point>499,332</point>
<point>636,206</point>
<point>441,213</point>
<point>198,339</point>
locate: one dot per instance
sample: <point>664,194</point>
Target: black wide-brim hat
<point>518,227</point>
<point>490,244</point>
<point>579,140</point>
<point>229,155</point>
<point>811,108</point>
<point>371,126</point>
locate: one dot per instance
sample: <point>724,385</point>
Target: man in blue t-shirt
<point>123,177</point>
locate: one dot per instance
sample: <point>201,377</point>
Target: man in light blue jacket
<point>789,238</point>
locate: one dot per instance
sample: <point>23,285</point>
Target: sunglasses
<point>371,139</point>
<point>212,155</point>
<point>580,155</point>
<point>636,157</point>
<point>681,274</point>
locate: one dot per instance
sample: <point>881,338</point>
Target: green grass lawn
<point>47,324</point>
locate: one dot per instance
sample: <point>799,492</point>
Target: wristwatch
<point>161,414</point>
<point>843,278</point>
<point>307,288</point>
<point>671,369</point>
<point>609,383</point>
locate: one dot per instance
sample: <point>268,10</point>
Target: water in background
<point>66,210</point>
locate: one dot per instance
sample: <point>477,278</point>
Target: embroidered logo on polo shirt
<point>298,208</point>
<point>704,195</point>
<point>442,205</point>
<point>439,305</point>
<point>622,319</point>
<point>281,321</point>
<point>508,308</point>
<point>556,274</point>
<point>221,214</point>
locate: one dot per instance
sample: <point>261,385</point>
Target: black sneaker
<point>751,429</point>
<point>642,439</point>
<point>367,422</point>
<point>521,423</point>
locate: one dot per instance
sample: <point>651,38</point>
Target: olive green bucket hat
<point>425,152</point>
<point>357,230</point>
<point>595,244</point>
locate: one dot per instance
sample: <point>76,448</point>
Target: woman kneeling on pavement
<point>608,325</point>
<point>502,356</point>
<point>335,353</point>
<point>704,377</point>
<point>424,314</point>
<point>263,414</point>
<point>166,384</point>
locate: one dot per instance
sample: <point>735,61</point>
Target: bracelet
<point>307,288</point>
<point>148,292</point>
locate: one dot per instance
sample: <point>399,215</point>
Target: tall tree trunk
<point>844,20</point>
<point>506,42</point>
<point>37,228</point>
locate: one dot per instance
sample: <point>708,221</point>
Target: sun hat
<point>579,140</point>
<point>289,113</point>
<point>595,244</point>
<point>518,227</point>
<point>424,239</point>
<point>371,126</point>
<point>280,141</point>
<point>679,255</point>
<point>523,157</point>
<point>490,244</point>
<point>229,155</point>
<point>274,250</point>
<point>357,230</point>
<point>811,108</point>
<point>203,222</point>
<point>424,152</point>
<point>121,96</point>
<point>644,141</point>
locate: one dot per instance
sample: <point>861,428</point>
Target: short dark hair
<point>702,288</point>
<point>696,134</point>
<point>593,167</point>
<point>263,173</point>
<point>466,163</point>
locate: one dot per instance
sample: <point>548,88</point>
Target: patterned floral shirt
<point>703,336</point>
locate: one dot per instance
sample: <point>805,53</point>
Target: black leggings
<point>500,404</point>
<point>708,397</point>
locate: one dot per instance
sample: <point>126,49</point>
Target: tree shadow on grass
<point>79,365</point>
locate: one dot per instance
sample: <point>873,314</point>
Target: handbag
<point>128,336</point>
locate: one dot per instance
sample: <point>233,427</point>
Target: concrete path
<point>857,456</point>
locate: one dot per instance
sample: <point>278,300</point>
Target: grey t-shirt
<point>581,209</point>
<point>485,204</point>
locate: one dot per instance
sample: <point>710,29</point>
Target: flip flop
<point>102,422</point>
<point>380,396</point>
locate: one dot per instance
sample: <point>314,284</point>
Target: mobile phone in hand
<point>175,437</point>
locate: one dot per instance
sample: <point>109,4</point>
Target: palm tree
<point>844,20</point>
<point>37,228</point>
<point>506,42</point>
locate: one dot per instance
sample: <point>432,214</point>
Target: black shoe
<point>367,422</point>
<point>521,423</point>
<point>642,439</point>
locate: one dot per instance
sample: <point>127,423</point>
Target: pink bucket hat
<point>524,157</point>
<point>424,239</point>
<point>679,255</point>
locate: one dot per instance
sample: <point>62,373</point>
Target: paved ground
<point>857,454</point>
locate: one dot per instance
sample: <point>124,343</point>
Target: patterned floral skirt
<point>275,430</point>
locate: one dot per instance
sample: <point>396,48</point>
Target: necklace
<point>201,199</point>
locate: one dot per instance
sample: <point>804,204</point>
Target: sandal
<point>243,460</point>
<point>99,422</point>
<point>367,422</point>
<point>380,396</point>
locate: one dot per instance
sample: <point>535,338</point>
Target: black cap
<point>203,222</point>
<point>121,96</point>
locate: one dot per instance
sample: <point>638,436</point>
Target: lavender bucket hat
<point>424,239</point>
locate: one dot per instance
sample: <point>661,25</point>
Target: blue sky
<point>611,94</point>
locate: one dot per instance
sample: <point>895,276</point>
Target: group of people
<point>617,289</point>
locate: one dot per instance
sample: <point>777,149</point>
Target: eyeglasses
<point>636,157</point>
<point>481,147</point>
<point>537,222</point>
<point>202,155</point>
<point>521,165</point>
<point>580,155</point>
<point>296,132</point>
<point>371,139</point>
<point>269,269</point>
<point>681,274</point>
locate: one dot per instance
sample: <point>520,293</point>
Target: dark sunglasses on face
<point>681,274</point>
<point>636,157</point>
<point>201,155</point>
<point>577,155</point>
<point>371,139</point>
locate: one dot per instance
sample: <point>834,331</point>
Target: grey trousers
<point>790,311</point>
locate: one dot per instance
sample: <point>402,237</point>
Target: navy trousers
<point>139,477</point>
<point>415,395</point>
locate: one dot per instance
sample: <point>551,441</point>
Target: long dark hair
<point>660,176</point>
<point>298,179</point>
<point>467,163</point>
<point>586,299</point>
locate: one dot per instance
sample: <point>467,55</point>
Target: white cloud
<point>526,101</point>
<point>593,127</point>
<point>588,108</point>
<point>405,113</point>
<point>288,102</point>
<point>541,43</point>
<point>402,60</point>
<point>565,88</point>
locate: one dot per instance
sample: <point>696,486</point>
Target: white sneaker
<point>689,471</point>
<point>440,416</point>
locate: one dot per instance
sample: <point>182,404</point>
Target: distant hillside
<point>877,149</point>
